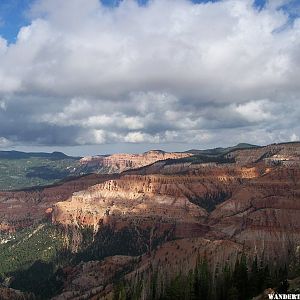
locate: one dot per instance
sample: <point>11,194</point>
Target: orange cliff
<point>264,213</point>
<point>22,208</point>
<point>180,198</point>
<point>250,204</point>
<point>118,163</point>
<point>259,216</point>
<point>253,202</point>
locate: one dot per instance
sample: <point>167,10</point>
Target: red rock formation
<point>165,197</point>
<point>264,213</point>
<point>117,163</point>
<point>287,153</point>
<point>260,199</point>
<point>19,209</point>
<point>257,201</point>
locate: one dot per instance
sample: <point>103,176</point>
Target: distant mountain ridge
<point>19,155</point>
<point>221,150</point>
<point>21,170</point>
<point>14,154</point>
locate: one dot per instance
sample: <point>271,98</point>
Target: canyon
<point>175,208</point>
<point>26,206</point>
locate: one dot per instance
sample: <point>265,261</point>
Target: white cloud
<point>135,137</point>
<point>169,44</point>
<point>254,111</point>
<point>294,137</point>
<point>3,45</point>
<point>3,105</point>
<point>171,71</point>
<point>139,137</point>
<point>4,142</point>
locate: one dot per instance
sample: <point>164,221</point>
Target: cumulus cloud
<point>167,72</point>
<point>4,142</point>
<point>255,111</point>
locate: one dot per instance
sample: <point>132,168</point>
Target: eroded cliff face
<point>264,214</point>
<point>22,208</point>
<point>185,198</point>
<point>286,154</point>
<point>19,209</point>
<point>118,163</point>
<point>217,210</point>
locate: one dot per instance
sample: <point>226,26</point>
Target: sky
<point>92,77</point>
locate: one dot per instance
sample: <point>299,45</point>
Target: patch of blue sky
<point>13,17</point>
<point>292,8</point>
<point>13,13</point>
<point>260,4</point>
<point>112,3</point>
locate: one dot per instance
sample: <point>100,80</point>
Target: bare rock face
<point>287,154</point>
<point>19,209</point>
<point>118,163</point>
<point>179,198</point>
<point>264,213</point>
<point>220,211</point>
<point>254,201</point>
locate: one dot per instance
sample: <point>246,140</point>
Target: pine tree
<point>153,284</point>
<point>176,289</point>
<point>233,293</point>
<point>202,280</point>
<point>255,278</point>
<point>226,283</point>
<point>240,277</point>
<point>119,292</point>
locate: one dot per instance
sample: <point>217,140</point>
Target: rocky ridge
<point>251,204</point>
<point>23,207</point>
<point>19,209</point>
<point>117,163</point>
<point>245,201</point>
